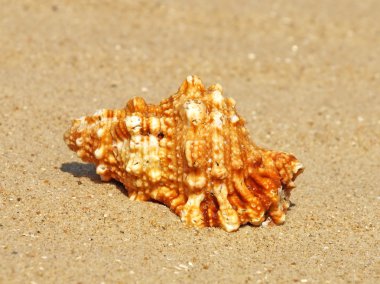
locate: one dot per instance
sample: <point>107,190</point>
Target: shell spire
<point>193,154</point>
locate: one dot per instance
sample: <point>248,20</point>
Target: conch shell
<point>193,154</point>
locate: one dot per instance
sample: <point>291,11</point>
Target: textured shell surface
<point>193,154</point>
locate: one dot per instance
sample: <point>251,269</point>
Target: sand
<point>305,75</point>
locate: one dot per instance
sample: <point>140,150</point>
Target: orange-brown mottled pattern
<point>192,153</point>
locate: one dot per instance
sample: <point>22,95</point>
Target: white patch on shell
<point>266,222</point>
<point>119,145</point>
<point>195,199</point>
<point>134,165</point>
<point>99,112</point>
<point>99,153</point>
<point>154,175</point>
<point>227,215</point>
<point>217,119</point>
<point>154,171</point>
<point>196,181</point>
<point>297,167</point>
<point>217,98</point>
<point>154,125</point>
<point>133,123</point>
<point>100,132</point>
<point>101,169</point>
<point>79,141</point>
<point>195,111</point>
<point>191,210</point>
<point>153,142</point>
<point>234,118</point>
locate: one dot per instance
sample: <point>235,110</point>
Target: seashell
<point>193,154</point>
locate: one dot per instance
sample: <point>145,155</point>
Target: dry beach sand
<point>305,75</point>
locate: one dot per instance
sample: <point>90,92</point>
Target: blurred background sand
<point>305,75</point>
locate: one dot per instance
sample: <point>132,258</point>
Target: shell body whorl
<point>192,153</point>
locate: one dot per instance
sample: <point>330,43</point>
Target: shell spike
<point>192,86</point>
<point>136,104</point>
<point>216,87</point>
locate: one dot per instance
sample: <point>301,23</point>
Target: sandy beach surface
<point>305,75</point>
